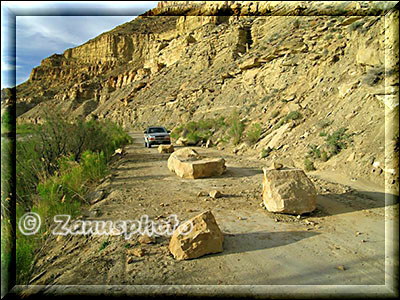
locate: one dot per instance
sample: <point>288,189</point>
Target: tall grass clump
<point>293,115</point>
<point>56,167</point>
<point>254,133</point>
<point>236,128</point>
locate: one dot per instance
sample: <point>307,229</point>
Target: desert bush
<point>308,165</point>
<point>26,128</point>
<point>254,133</point>
<point>196,131</point>
<point>324,156</point>
<point>56,168</point>
<point>39,157</point>
<point>296,23</point>
<point>374,76</point>
<point>323,133</point>
<point>328,37</point>
<point>334,143</point>
<point>356,25</point>
<point>236,128</point>
<point>337,141</point>
<point>275,114</point>
<point>6,122</point>
<point>266,98</point>
<point>265,152</point>
<point>314,152</point>
<point>323,123</point>
<point>293,115</point>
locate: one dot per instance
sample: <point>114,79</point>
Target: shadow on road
<point>335,204</point>
<point>253,241</point>
<point>237,172</point>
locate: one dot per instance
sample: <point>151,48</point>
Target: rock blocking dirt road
<point>342,242</point>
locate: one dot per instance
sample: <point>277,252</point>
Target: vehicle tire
<point>149,145</point>
<point>145,144</point>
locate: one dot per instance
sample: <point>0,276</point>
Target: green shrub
<point>254,133</point>
<point>323,123</point>
<point>308,165</point>
<point>337,141</point>
<point>25,246</point>
<point>196,131</point>
<point>265,98</point>
<point>296,23</point>
<point>104,245</point>
<point>322,133</point>
<point>275,114</point>
<point>26,128</point>
<point>328,37</point>
<point>293,115</point>
<point>55,168</point>
<point>356,25</point>
<point>6,122</point>
<point>236,128</point>
<point>265,152</point>
<point>324,156</point>
<point>314,152</point>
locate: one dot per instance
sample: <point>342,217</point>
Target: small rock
<point>341,268</point>
<point>145,239</point>
<point>201,194</point>
<point>276,166</point>
<point>358,233</point>
<point>376,164</point>
<point>119,151</point>
<point>351,157</point>
<point>130,260</point>
<point>215,194</point>
<point>96,196</point>
<point>363,241</point>
<point>181,141</point>
<point>166,148</point>
<point>138,252</point>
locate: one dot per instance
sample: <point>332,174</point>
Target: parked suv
<point>156,135</point>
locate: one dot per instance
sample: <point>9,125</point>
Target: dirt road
<point>339,248</point>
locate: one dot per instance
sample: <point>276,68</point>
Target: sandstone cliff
<point>335,63</point>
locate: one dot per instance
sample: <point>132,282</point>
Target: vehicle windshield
<point>156,130</point>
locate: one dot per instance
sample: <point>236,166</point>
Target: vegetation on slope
<point>56,167</point>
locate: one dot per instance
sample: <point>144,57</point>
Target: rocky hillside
<point>333,65</point>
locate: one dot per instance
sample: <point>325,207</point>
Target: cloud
<point>45,28</point>
<point>5,66</point>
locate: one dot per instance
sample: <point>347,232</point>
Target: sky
<point>47,27</point>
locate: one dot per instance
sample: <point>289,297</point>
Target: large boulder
<point>288,191</point>
<point>187,163</point>
<point>196,237</point>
